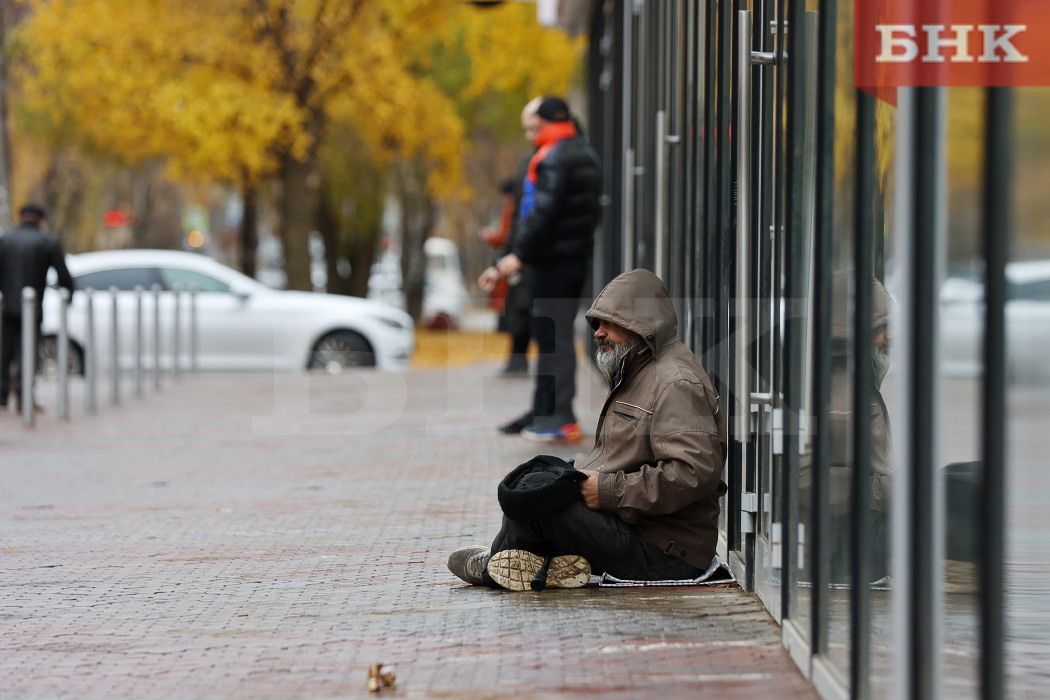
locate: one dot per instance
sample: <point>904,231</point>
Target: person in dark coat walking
<point>559,213</point>
<point>26,254</point>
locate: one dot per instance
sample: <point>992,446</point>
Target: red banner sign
<point>900,43</point>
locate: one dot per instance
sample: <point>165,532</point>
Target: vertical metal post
<point>660,213</point>
<point>155,289</point>
<point>90,358</point>
<point>927,505</point>
<point>796,282</point>
<point>628,209</point>
<point>63,354</point>
<point>114,349</point>
<point>627,71</point>
<point>996,243</point>
<point>138,340</point>
<point>863,389</point>
<point>2,331</point>
<point>27,364</point>
<point>176,291</point>
<point>820,536</point>
<point>918,506</point>
<point>742,330</point>
<point>193,327</point>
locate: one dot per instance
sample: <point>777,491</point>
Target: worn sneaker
<point>568,433</point>
<point>517,569</point>
<point>517,425</point>
<point>468,563</point>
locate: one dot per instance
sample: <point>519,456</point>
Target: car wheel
<point>339,350</point>
<point>47,359</point>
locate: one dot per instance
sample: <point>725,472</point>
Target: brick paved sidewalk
<point>253,536</point>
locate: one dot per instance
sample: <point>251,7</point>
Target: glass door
<point>775,100</point>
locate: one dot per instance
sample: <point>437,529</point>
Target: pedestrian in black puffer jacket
<point>559,213</point>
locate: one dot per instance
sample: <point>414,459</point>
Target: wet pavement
<point>261,536</point>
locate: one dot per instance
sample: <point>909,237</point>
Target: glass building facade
<point>868,285</point>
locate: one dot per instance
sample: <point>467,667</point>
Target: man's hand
<point>488,279</point>
<point>509,264</point>
<point>589,489</point>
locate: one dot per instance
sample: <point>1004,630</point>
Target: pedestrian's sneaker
<point>468,563</point>
<point>517,425</point>
<point>568,433</point>
<point>517,569</point>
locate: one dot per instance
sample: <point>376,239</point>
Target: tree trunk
<point>6,217</point>
<point>299,206</point>
<point>417,220</point>
<point>249,230</point>
<point>330,229</point>
<point>362,254</point>
<point>142,207</point>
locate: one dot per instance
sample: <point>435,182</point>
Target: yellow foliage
<point>509,50</point>
<point>223,90</point>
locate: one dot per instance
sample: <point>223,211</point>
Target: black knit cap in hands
<point>553,109</point>
<point>543,485</point>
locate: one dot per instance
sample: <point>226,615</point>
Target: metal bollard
<point>138,340</point>
<point>193,327</point>
<point>63,354</point>
<point>155,289</point>
<point>114,360</point>
<point>27,365</point>
<point>176,290</point>
<point>91,362</point>
<point>2,330</point>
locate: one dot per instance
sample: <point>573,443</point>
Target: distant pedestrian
<point>517,307</point>
<point>559,213</point>
<point>26,254</point>
<point>511,301</point>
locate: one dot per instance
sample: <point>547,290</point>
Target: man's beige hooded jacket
<point>661,439</point>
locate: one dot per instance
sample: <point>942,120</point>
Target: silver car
<point>1027,323</point>
<point>241,324</point>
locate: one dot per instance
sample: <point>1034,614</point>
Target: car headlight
<point>392,322</point>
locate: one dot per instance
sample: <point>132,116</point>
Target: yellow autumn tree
<point>236,90</point>
<point>242,89</point>
<point>482,66</point>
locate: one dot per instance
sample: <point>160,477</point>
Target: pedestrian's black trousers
<point>608,543</point>
<point>555,287</point>
<point>11,352</point>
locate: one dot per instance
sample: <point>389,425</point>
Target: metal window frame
<point>702,78</point>
<point>996,233</point>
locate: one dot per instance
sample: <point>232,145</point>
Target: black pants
<point>608,543</point>
<point>11,352</point>
<point>517,324</point>
<point>556,287</point>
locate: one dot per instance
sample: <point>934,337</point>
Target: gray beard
<point>609,361</point>
<point>880,362</point>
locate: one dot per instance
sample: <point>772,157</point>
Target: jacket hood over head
<point>842,319</point>
<point>638,301</point>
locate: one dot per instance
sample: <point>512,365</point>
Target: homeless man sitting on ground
<point>644,503</point>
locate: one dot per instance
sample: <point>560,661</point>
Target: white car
<point>1027,323</point>
<point>241,324</point>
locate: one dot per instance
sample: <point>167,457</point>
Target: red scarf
<point>545,140</point>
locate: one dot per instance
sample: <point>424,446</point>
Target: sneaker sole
<point>514,569</point>
<point>553,439</point>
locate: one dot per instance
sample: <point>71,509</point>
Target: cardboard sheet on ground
<point>718,573</point>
